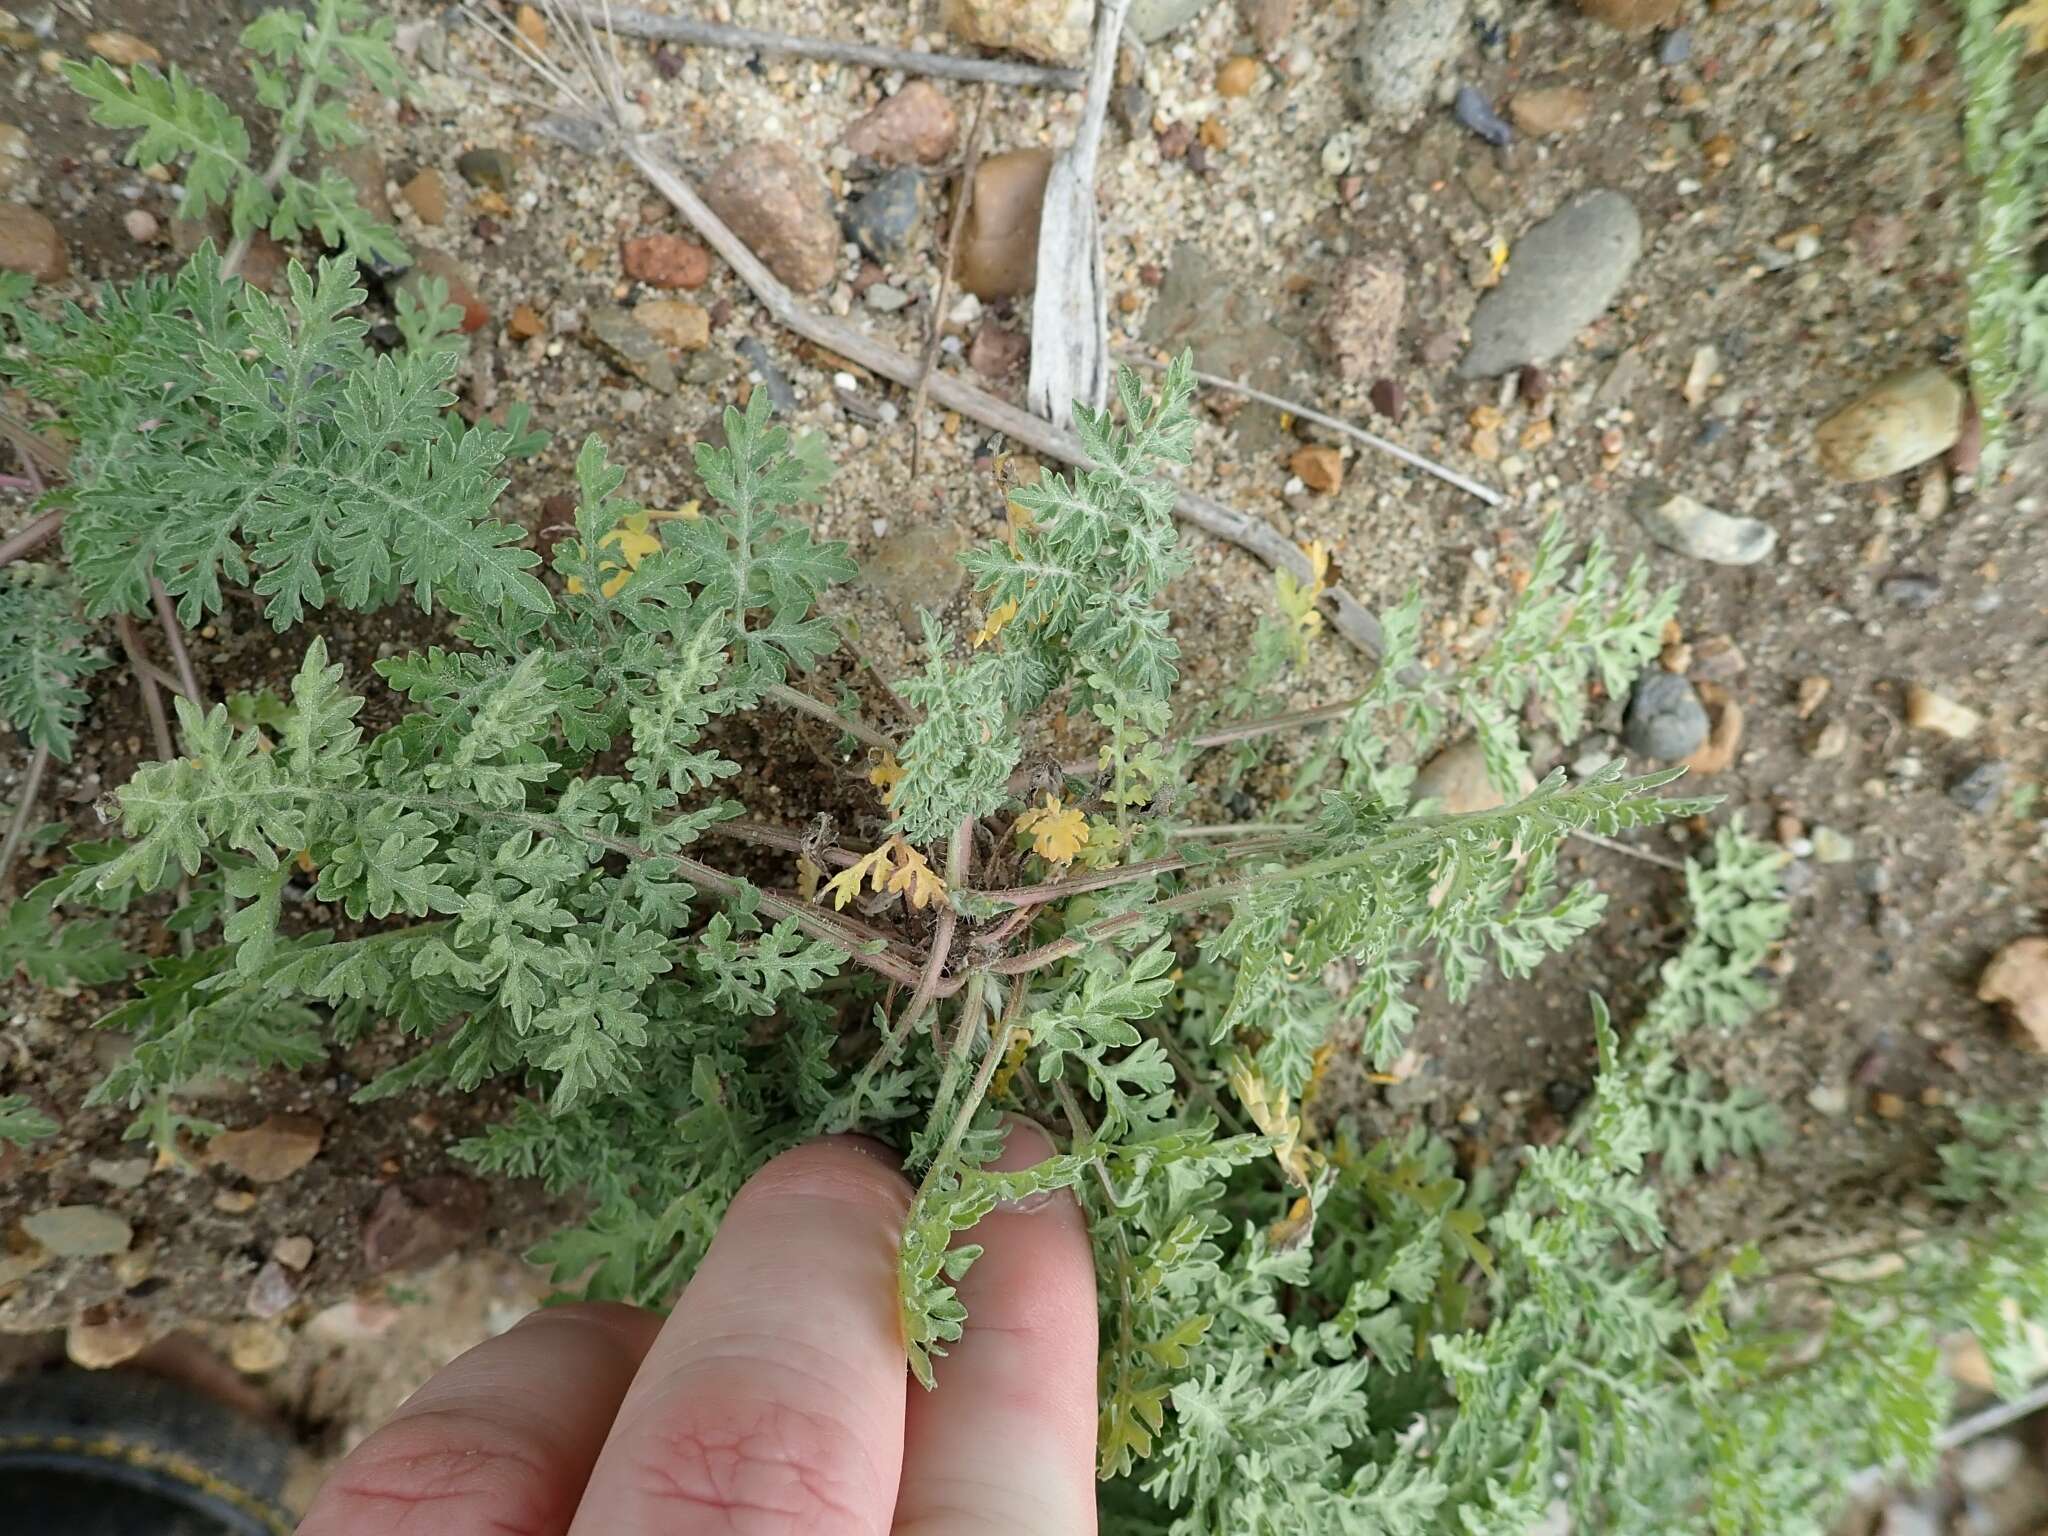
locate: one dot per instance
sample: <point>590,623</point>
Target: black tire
<point>85,1454</point>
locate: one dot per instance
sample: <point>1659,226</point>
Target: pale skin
<point>773,1401</point>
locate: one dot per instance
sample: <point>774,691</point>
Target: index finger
<point>772,1402</point>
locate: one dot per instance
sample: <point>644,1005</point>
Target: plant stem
<point>174,638</point>
<point>291,128</point>
<point>160,729</point>
<point>152,701</point>
<point>1212,895</point>
<point>936,321</point>
<point>1241,730</point>
<point>818,709</point>
<point>1272,725</point>
<point>760,833</point>
<point>1612,845</point>
<point>17,825</point>
<point>976,1092</point>
<point>30,535</point>
<point>1248,841</point>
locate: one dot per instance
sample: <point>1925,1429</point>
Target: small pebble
<point>1830,1099</point>
<point>294,1253</point>
<point>1927,710</point>
<point>1912,590</point>
<point>79,1231</point>
<point>1473,110</point>
<point>1675,47</point>
<point>1665,719</point>
<point>1238,77</point>
<point>141,225</point>
<point>1978,790</point>
<point>493,168</point>
<point>1690,527</point>
<point>1832,847</point>
<point>1813,692</point>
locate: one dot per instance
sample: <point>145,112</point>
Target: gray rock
<point>272,1291</point>
<point>1402,46</point>
<point>1989,1463</point>
<point>1979,788</point>
<point>1133,105</point>
<point>886,298</point>
<point>1561,276</point>
<point>1471,108</point>
<point>1231,331</point>
<point>1665,718</point>
<point>780,392</point>
<point>1592,754</point>
<point>122,1173</point>
<point>889,217</point>
<point>1689,527</point>
<point>79,1231</point>
<point>915,568</point>
<point>620,336</point>
<point>1912,590</point>
<point>1832,847</point>
<point>1675,47</point>
<point>1150,20</point>
<point>493,168</point>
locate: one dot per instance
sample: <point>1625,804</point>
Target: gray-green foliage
<point>287,456</point>
<point>82,952</point>
<point>304,61</point>
<point>544,869</point>
<point>46,652</point>
<point>2005,146</point>
<point>21,1122</point>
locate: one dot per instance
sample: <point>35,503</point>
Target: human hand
<point>774,1400</point>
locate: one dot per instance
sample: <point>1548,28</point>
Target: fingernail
<point>867,1146</point>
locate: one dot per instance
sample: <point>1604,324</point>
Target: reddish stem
<point>30,536</point>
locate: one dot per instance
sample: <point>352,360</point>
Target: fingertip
<point>777,1385</point>
<point>1009,1433</point>
<point>839,1170</point>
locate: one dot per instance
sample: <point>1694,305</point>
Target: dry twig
<point>24,809</point>
<point>629,21</point>
<point>935,329</point>
<point>1070,316</point>
<point>1407,456</point>
<point>31,535</point>
<point>1348,616</point>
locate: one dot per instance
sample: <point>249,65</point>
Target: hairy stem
<point>174,639</point>
<point>291,128</point>
<point>976,1092</point>
<point>1127,874</point>
<point>24,809</point>
<point>818,709</point>
<point>152,701</point>
<point>159,728</point>
<point>765,836</point>
<point>30,536</point>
